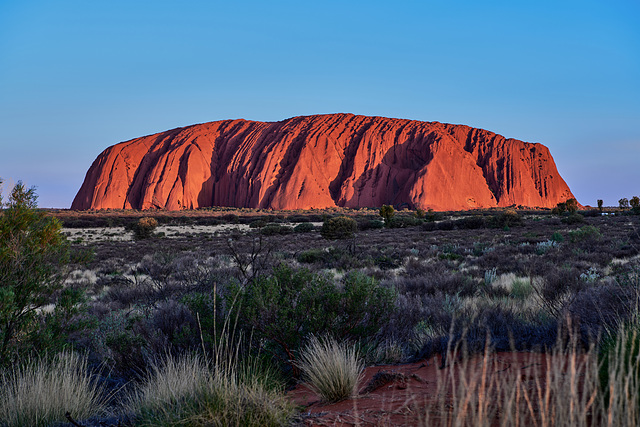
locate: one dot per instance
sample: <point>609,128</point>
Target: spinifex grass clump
<point>191,391</point>
<point>332,370</point>
<point>41,392</point>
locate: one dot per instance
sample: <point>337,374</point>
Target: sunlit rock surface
<point>322,161</point>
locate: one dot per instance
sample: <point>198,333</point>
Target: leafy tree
<point>31,251</point>
<point>623,203</point>
<point>600,204</point>
<point>560,208</point>
<point>387,213</point>
<point>635,202</point>
<point>572,205</point>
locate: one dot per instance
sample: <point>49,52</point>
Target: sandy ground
<point>404,396</point>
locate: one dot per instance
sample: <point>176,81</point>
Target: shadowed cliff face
<point>322,161</point>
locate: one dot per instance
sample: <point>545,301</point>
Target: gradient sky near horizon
<point>79,76</point>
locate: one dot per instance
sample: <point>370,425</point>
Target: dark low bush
<point>370,224</point>
<point>273,229</point>
<point>470,222</point>
<point>429,226</point>
<point>340,227</point>
<point>574,218</point>
<point>507,218</point>
<point>312,256</point>
<point>405,221</point>
<point>446,225</point>
<point>304,227</point>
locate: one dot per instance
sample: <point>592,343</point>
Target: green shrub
<point>404,221</point>
<point>507,218</point>
<point>40,392</point>
<point>32,254</point>
<point>143,228</point>
<point>285,307</point>
<point>370,224</point>
<point>387,212</point>
<point>258,223</point>
<point>571,205</point>
<point>338,228</point>
<point>312,256</point>
<point>557,237</point>
<point>470,222</point>
<point>303,227</point>
<point>273,229</point>
<point>587,232</point>
<point>332,370</point>
<point>574,218</point>
<point>560,208</point>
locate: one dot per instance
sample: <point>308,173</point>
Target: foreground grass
<point>190,391</point>
<point>568,388</point>
<point>41,392</point>
<point>332,369</point>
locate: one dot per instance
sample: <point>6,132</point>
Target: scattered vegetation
<point>427,284</point>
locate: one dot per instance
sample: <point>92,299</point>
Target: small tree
<point>572,205</point>
<point>144,227</point>
<point>624,203</point>
<point>31,251</point>
<point>341,227</point>
<point>560,208</point>
<point>387,212</point>
<point>600,204</point>
<point>635,202</point>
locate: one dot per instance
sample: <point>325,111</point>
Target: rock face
<point>322,161</point>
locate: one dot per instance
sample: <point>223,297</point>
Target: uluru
<point>323,161</point>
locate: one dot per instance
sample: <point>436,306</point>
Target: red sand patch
<point>401,392</point>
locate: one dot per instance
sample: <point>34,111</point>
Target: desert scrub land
<point>207,317</point>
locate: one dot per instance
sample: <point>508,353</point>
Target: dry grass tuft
<point>40,392</point>
<point>190,391</point>
<point>331,369</point>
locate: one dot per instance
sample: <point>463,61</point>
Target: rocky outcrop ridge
<point>322,161</point>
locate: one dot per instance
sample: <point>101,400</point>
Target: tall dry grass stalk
<point>40,392</point>
<point>566,387</point>
<point>332,370</point>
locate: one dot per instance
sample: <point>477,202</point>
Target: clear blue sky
<point>79,76</point>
